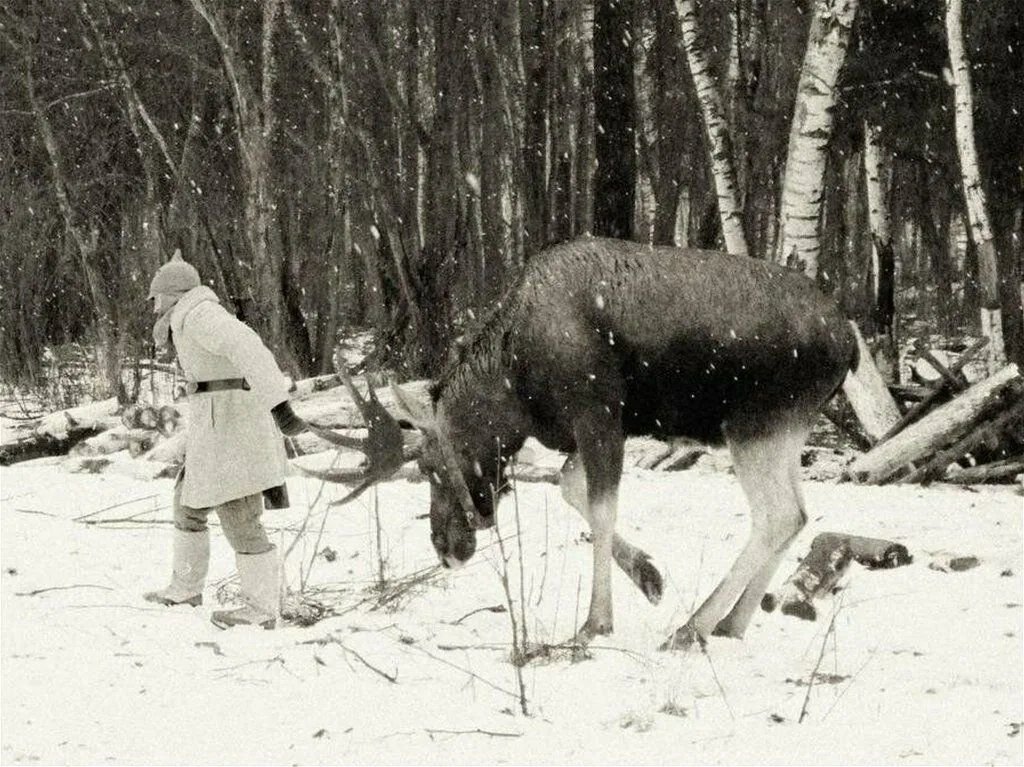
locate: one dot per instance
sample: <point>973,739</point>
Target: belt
<point>221,384</point>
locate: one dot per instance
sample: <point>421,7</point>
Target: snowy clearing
<point>922,666</point>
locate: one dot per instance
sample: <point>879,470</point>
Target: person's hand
<point>289,423</point>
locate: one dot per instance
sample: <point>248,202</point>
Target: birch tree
<point>719,144</point>
<point>883,266</point>
<point>974,195</point>
<point>811,129</point>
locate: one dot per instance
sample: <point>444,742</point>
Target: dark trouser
<point>239,518</point>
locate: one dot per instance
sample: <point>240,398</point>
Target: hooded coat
<point>233,447</point>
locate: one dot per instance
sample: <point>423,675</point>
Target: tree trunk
<point>810,133</point>
<point>86,239</point>
<point>883,259</point>
<point>719,144</point>
<point>583,173</point>
<point>492,158</point>
<point>535,126</point>
<point>614,117</point>
<point>561,121</point>
<point>974,193</point>
<point>868,394</point>
<point>669,129</point>
<point>255,123</point>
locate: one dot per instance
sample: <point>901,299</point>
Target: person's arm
<point>214,329</point>
<point>287,421</point>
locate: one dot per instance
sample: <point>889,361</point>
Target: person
<point>234,454</point>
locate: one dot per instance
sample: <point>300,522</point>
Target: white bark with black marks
<point>811,130</point>
<point>717,130</point>
<point>974,195</point>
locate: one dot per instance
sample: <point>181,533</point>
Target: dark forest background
<point>339,164</point>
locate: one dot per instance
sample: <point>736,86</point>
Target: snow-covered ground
<point>921,666</point>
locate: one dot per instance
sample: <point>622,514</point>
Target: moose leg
<point>599,442</point>
<point>764,467</point>
<point>735,623</point>
<point>633,561</point>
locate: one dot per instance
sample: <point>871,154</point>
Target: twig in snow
<point>491,609</point>
<point>466,671</point>
<point>849,684</point>
<point>547,548</point>
<point>714,675</point>
<point>316,500</point>
<point>331,639</point>
<point>113,506</point>
<point>518,632</point>
<point>35,511</point>
<point>131,518</point>
<point>477,731</point>
<point>393,678</point>
<point>821,657</point>
<point>61,588</point>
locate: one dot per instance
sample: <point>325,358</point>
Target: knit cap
<point>174,277</point>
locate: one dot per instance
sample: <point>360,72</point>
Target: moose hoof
<point>726,628</point>
<point>801,609</point>
<point>685,638</point>
<point>591,629</point>
<point>648,579</point>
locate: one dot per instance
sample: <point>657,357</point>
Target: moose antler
<point>428,424</point>
<point>384,447</point>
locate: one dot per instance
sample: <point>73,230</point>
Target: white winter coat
<point>233,447</point>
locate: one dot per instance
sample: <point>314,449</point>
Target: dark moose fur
<point>629,339</point>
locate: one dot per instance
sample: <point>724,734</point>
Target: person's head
<point>171,282</point>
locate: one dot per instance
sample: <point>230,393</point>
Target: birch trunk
<point>974,194</point>
<point>811,130</point>
<point>720,151</point>
<point>883,262</point>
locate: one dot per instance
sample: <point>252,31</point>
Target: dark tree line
<point>340,163</point>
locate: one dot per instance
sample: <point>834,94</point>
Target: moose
<point>601,339</point>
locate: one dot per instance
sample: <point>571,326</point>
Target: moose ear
<point>413,410</point>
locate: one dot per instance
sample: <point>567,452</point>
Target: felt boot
<point>260,576</point>
<point>190,563</point>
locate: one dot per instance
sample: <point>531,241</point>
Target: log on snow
<point>941,427</point>
<point>334,408</point>
<point>950,382</point>
<point>36,445</point>
<point>986,432</point>
<point>827,560</point>
<point>997,471</point>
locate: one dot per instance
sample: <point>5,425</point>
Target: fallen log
<point>867,393</point>
<point>986,433</point>
<point>952,381</point>
<point>941,427</point>
<point>997,471</point>
<point>37,445</point>
<point>829,557</point>
<point>335,409</point>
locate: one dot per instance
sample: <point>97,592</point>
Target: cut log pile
<point>957,431</point>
